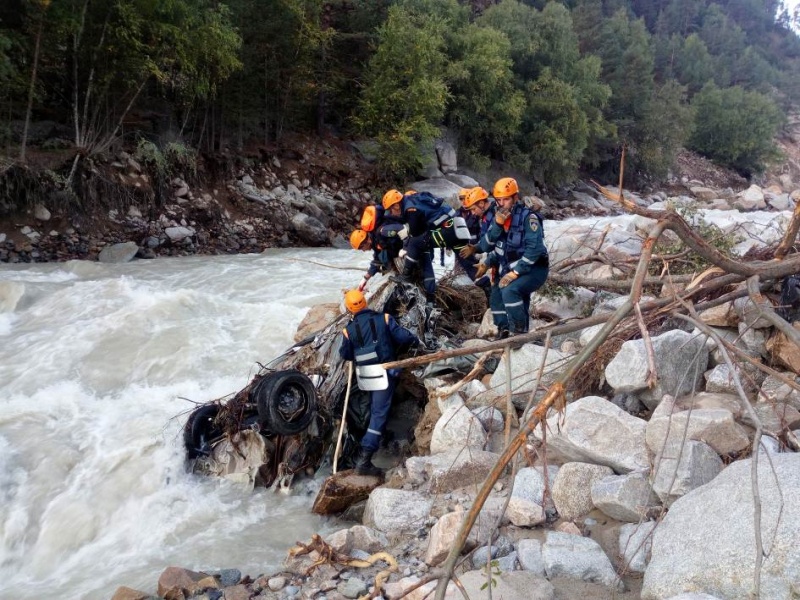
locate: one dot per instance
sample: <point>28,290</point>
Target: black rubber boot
<point>364,464</point>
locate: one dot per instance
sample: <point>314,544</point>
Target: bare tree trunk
<point>32,86</point>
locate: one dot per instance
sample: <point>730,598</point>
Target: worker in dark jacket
<point>384,238</point>
<point>373,338</point>
<point>519,259</point>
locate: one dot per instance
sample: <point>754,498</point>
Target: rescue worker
<point>483,209</point>
<point>372,338</point>
<point>383,234</point>
<point>475,204</point>
<point>418,246</point>
<point>519,259</point>
<point>431,222</point>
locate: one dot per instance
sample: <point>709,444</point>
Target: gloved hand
<point>403,232</point>
<point>480,271</point>
<point>467,251</point>
<point>402,253</point>
<point>507,278</point>
<point>501,216</point>
<point>363,283</point>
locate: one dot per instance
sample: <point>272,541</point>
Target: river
<point>99,365</point>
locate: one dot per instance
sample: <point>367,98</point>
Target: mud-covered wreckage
<point>285,421</point>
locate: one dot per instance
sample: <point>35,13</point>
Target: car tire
<point>287,402</point>
<point>200,431</point>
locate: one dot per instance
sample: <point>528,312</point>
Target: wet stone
<point>352,588</point>
<point>229,577</point>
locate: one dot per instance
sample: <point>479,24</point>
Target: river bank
<point>308,192</point>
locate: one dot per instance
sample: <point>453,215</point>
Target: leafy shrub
<point>735,127</point>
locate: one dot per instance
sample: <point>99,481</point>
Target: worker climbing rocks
<point>370,339</point>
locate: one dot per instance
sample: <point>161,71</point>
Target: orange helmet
<point>505,187</point>
<point>391,198</point>
<point>357,238</point>
<point>410,192</point>
<point>354,301</point>
<point>474,196</point>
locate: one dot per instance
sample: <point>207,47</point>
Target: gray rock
<point>508,585</point>
<point>463,181</point>
<point>276,583</point>
<point>635,542</point>
<point>680,359</point>
<point>705,542</point>
<point>717,427</point>
<point>352,588</point>
<point>481,556</point>
<point>310,230</point>
<point>621,445</point>
<point>446,153</point>
<point>774,390</point>
<point>525,507</point>
<point>229,577</point>
<point>529,555</point>
<point>177,234</point>
<point>118,253</point>
<point>525,363</point>
<point>624,497</point>
<point>40,213</point>
<point>680,469</point>
<point>572,491</point>
<point>439,187</point>
<point>457,428</point>
<point>396,511</point>
<point>749,314</point>
<point>576,557</point>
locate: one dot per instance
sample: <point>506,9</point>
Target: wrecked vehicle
<point>285,421</point>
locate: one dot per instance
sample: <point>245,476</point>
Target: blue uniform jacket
<point>522,245</point>
<point>399,337</point>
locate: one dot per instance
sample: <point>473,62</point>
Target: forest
<point>550,87</point>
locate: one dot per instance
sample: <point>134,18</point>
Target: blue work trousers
<point>419,256</point>
<point>380,403</point>
<point>511,305</point>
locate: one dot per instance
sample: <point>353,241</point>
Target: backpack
<point>373,215</point>
<point>427,199</point>
<point>790,298</point>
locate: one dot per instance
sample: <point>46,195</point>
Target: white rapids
<point>96,362</point>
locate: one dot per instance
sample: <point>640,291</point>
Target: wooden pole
<point>344,415</point>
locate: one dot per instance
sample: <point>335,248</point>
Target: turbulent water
<point>96,361</point>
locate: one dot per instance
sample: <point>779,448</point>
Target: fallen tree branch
<point>790,236</point>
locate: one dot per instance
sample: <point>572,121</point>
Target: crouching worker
<point>373,338</point>
<point>520,257</point>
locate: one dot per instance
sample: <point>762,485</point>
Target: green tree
<point>405,95</point>
<point>695,66</point>
<point>752,71</point>
<point>118,47</point>
<point>485,108</point>
<point>564,98</point>
<point>664,128</point>
<point>556,129</point>
<point>735,127</point>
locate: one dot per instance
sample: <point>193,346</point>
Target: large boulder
<point>680,360</point>
<point>525,363</point>
<point>576,557</point>
<point>450,470</point>
<point>572,491</point>
<point>457,428</point>
<point>310,230</point>
<point>396,511</point>
<point>680,469</point>
<point>596,431</point>
<point>673,421</point>
<point>625,497</point>
<point>118,253</point>
<point>706,542</point>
